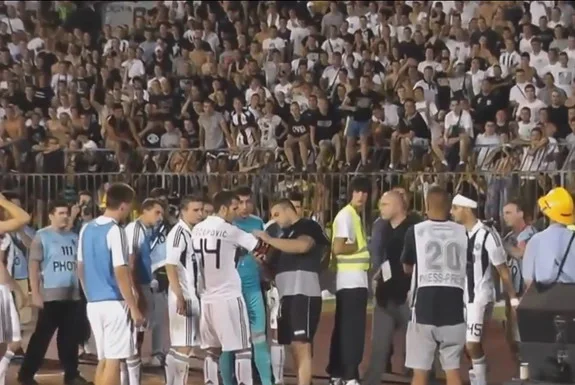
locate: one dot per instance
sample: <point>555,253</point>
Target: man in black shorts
<point>297,265</point>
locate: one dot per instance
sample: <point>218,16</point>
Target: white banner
<point>125,12</point>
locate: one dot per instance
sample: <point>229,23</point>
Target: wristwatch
<point>514,302</point>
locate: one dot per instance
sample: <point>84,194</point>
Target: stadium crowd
<point>263,87</point>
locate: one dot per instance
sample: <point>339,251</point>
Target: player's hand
<point>137,317</point>
<point>260,258</point>
<point>37,301</point>
<point>181,306</point>
<point>262,235</point>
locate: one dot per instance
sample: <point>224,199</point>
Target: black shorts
<point>298,318</point>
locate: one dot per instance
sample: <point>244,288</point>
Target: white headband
<point>460,200</point>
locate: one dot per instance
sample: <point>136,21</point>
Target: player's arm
<point>36,255</point>
<point>118,245</point>
<point>409,253</point>
<point>18,218</point>
<point>80,258</point>
<point>498,258</point>
<point>344,242</point>
<point>175,246</point>
<point>134,237</point>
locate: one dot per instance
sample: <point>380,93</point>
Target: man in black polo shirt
<point>296,266</point>
<point>391,284</point>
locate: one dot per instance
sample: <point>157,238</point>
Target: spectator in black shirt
<point>558,115</point>
<point>486,104</point>
<point>298,133</point>
<point>325,135</point>
<point>360,102</point>
<point>412,131</point>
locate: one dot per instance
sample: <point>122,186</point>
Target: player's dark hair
<point>224,199</point>
<point>206,199</point>
<point>185,201</point>
<point>285,203</point>
<point>360,184</point>
<point>118,194</point>
<point>149,204</point>
<point>158,192</point>
<point>295,196</point>
<point>54,205</point>
<point>243,191</point>
<point>437,198</point>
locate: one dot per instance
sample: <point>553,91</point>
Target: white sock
<point>278,356</point>
<point>134,370</point>
<point>480,370</point>
<point>4,363</point>
<point>177,366</point>
<point>211,370</point>
<point>244,368</point>
<point>124,377</point>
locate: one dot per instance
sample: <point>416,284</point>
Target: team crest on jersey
<point>477,246</point>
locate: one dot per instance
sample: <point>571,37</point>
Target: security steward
<point>550,255</point>
<point>351,262</point>
<point>297,264</point>
<point>55,292</point>
<point>390,283</point>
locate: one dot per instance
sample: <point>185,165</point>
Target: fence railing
<point>324,193</point>
<point>177,160</point>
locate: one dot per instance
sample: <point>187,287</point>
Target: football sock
<point>277,357</point>
<point>211,370</point>
<point>177,366</point>
<point>262,358</point>
<point>226,362</point>
<point>124,377</point>
<point>134,370</point>
<point>480,370</point>
<point>243,367</point>
<point>4,363</point>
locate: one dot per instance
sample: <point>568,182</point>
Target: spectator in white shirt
<point>429,61</point>
<point>563,73</point>
<point>570,50</point>
<point>457,131</point>
<point>133,65</point>
<point>486,143</point>
<point>273,42</point>
<point>538,58</point>
<point>509,58</point>
<point>459,47</point>
<point>334,43</point>
<point>525,125</point>
<point>525,42</point>
<point>531,102</point>
<point>517,92</point>
<point>477,76</point>
<point>556,18</point>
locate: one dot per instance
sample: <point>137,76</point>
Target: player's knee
<point>14,346</point>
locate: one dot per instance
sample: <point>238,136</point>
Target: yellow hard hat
<point>557,205</point>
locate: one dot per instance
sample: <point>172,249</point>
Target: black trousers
<point>61,315</point>
<point>348,335</point>
<point>83,325</point>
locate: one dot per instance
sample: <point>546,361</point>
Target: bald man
<point>391,284</point>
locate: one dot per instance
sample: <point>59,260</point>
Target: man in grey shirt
<point>55,290</point>
<point>214,132</point>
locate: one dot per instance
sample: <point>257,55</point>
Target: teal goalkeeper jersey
<point>248,268</point>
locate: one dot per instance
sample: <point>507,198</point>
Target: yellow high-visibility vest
<point>358,261</point>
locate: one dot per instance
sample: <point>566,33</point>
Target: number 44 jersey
<point>215,243</point>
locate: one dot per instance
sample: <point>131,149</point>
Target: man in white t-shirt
<point>224,323</point>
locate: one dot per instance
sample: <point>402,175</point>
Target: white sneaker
<point>335,381</point>
<point>472,380</point>
<point>156,361</point>
<point>327,295</point>
<point>352,382</point>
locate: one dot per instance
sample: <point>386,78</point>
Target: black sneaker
<point>18,355</point>
<point>78,380</point>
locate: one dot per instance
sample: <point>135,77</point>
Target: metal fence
<point>324,193</point>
